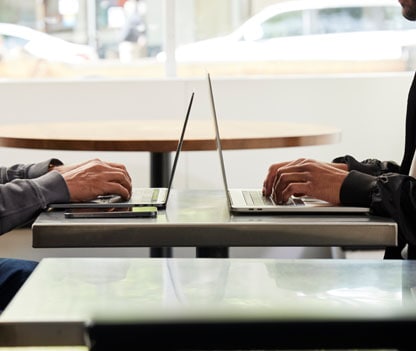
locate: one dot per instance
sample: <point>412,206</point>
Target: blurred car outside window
<point>311,36</point>
<point>287,37</point>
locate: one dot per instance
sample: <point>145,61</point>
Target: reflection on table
<point>343,295</point>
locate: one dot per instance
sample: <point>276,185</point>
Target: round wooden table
<point>160,138</point>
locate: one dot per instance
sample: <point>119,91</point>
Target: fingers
<point>270,178</point>
<point>273,173</point>
<point>112,182</point>
<point>121,167</point>
<point>295,178</point>
<point>288,184</point>
<point>114,172</point>
<point>90,179</point>
<point>308,177</point>
<point>113,187</point>
<point>268,182</point>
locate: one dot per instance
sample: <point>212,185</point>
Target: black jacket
<point>386,187</point>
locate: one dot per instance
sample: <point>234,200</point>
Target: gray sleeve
<point>26,171</point>
<point>21,200</point>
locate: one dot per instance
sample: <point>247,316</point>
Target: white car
<point>43,46</point>
<point>312,30</point>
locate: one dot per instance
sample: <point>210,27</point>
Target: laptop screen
<point>179,147</point>
<point>218,139</point>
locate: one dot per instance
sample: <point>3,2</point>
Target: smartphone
<point>112,212</point>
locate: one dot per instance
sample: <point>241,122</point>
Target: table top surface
<point>79,289</point>
<point>163,135</point>
<point>201,218</point>
<point>257,290</point>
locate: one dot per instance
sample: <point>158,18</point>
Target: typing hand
<point>305,177</point>
<point>88,180</point>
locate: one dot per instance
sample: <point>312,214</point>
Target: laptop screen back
<point>179,147</point>
<point>218,139</point>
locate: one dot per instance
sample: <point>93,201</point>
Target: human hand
<point>92,178</point>
<point>305,177</point>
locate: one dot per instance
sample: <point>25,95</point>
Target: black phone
<point>112,212</point>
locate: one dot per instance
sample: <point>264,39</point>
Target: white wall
<point>369,109</point>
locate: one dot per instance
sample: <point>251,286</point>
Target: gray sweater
<point>26,190</point>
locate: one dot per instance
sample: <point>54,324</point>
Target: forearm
<point>21,200</point>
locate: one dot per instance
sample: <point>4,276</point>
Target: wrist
<point>53,164</point>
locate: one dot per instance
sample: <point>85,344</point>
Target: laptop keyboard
<point>256,198</point>
<point>144,196</point>
<point>148,195</point>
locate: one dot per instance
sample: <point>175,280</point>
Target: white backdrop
<point>369,110</point>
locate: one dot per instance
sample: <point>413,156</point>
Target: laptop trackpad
<point>108,199</point>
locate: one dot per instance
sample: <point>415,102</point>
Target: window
<point>284,25</point>
<point>127,38</point>
<point>360,19</point>
<point>340,20</point>
<point>11,42</point>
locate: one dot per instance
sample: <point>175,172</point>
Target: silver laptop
<point>140,196</point>
<point>253,201</point>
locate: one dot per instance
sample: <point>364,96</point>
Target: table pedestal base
<point>161,252</point>
<point>159,169</point>
<point>212,252</point>
<point>159,178</point>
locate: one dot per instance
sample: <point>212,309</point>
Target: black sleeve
<point>369,166</point>
<point>390,195</point>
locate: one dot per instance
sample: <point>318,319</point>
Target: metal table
<point>201,219</point>
<point>215,304</point>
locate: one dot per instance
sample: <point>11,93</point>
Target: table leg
<point>212,252</point>
<point>161,252</point>
<point>159,169</point>
<point>159,177</point>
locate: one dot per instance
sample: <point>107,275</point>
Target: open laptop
<point>157,197</point>
<point>253,201</point>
